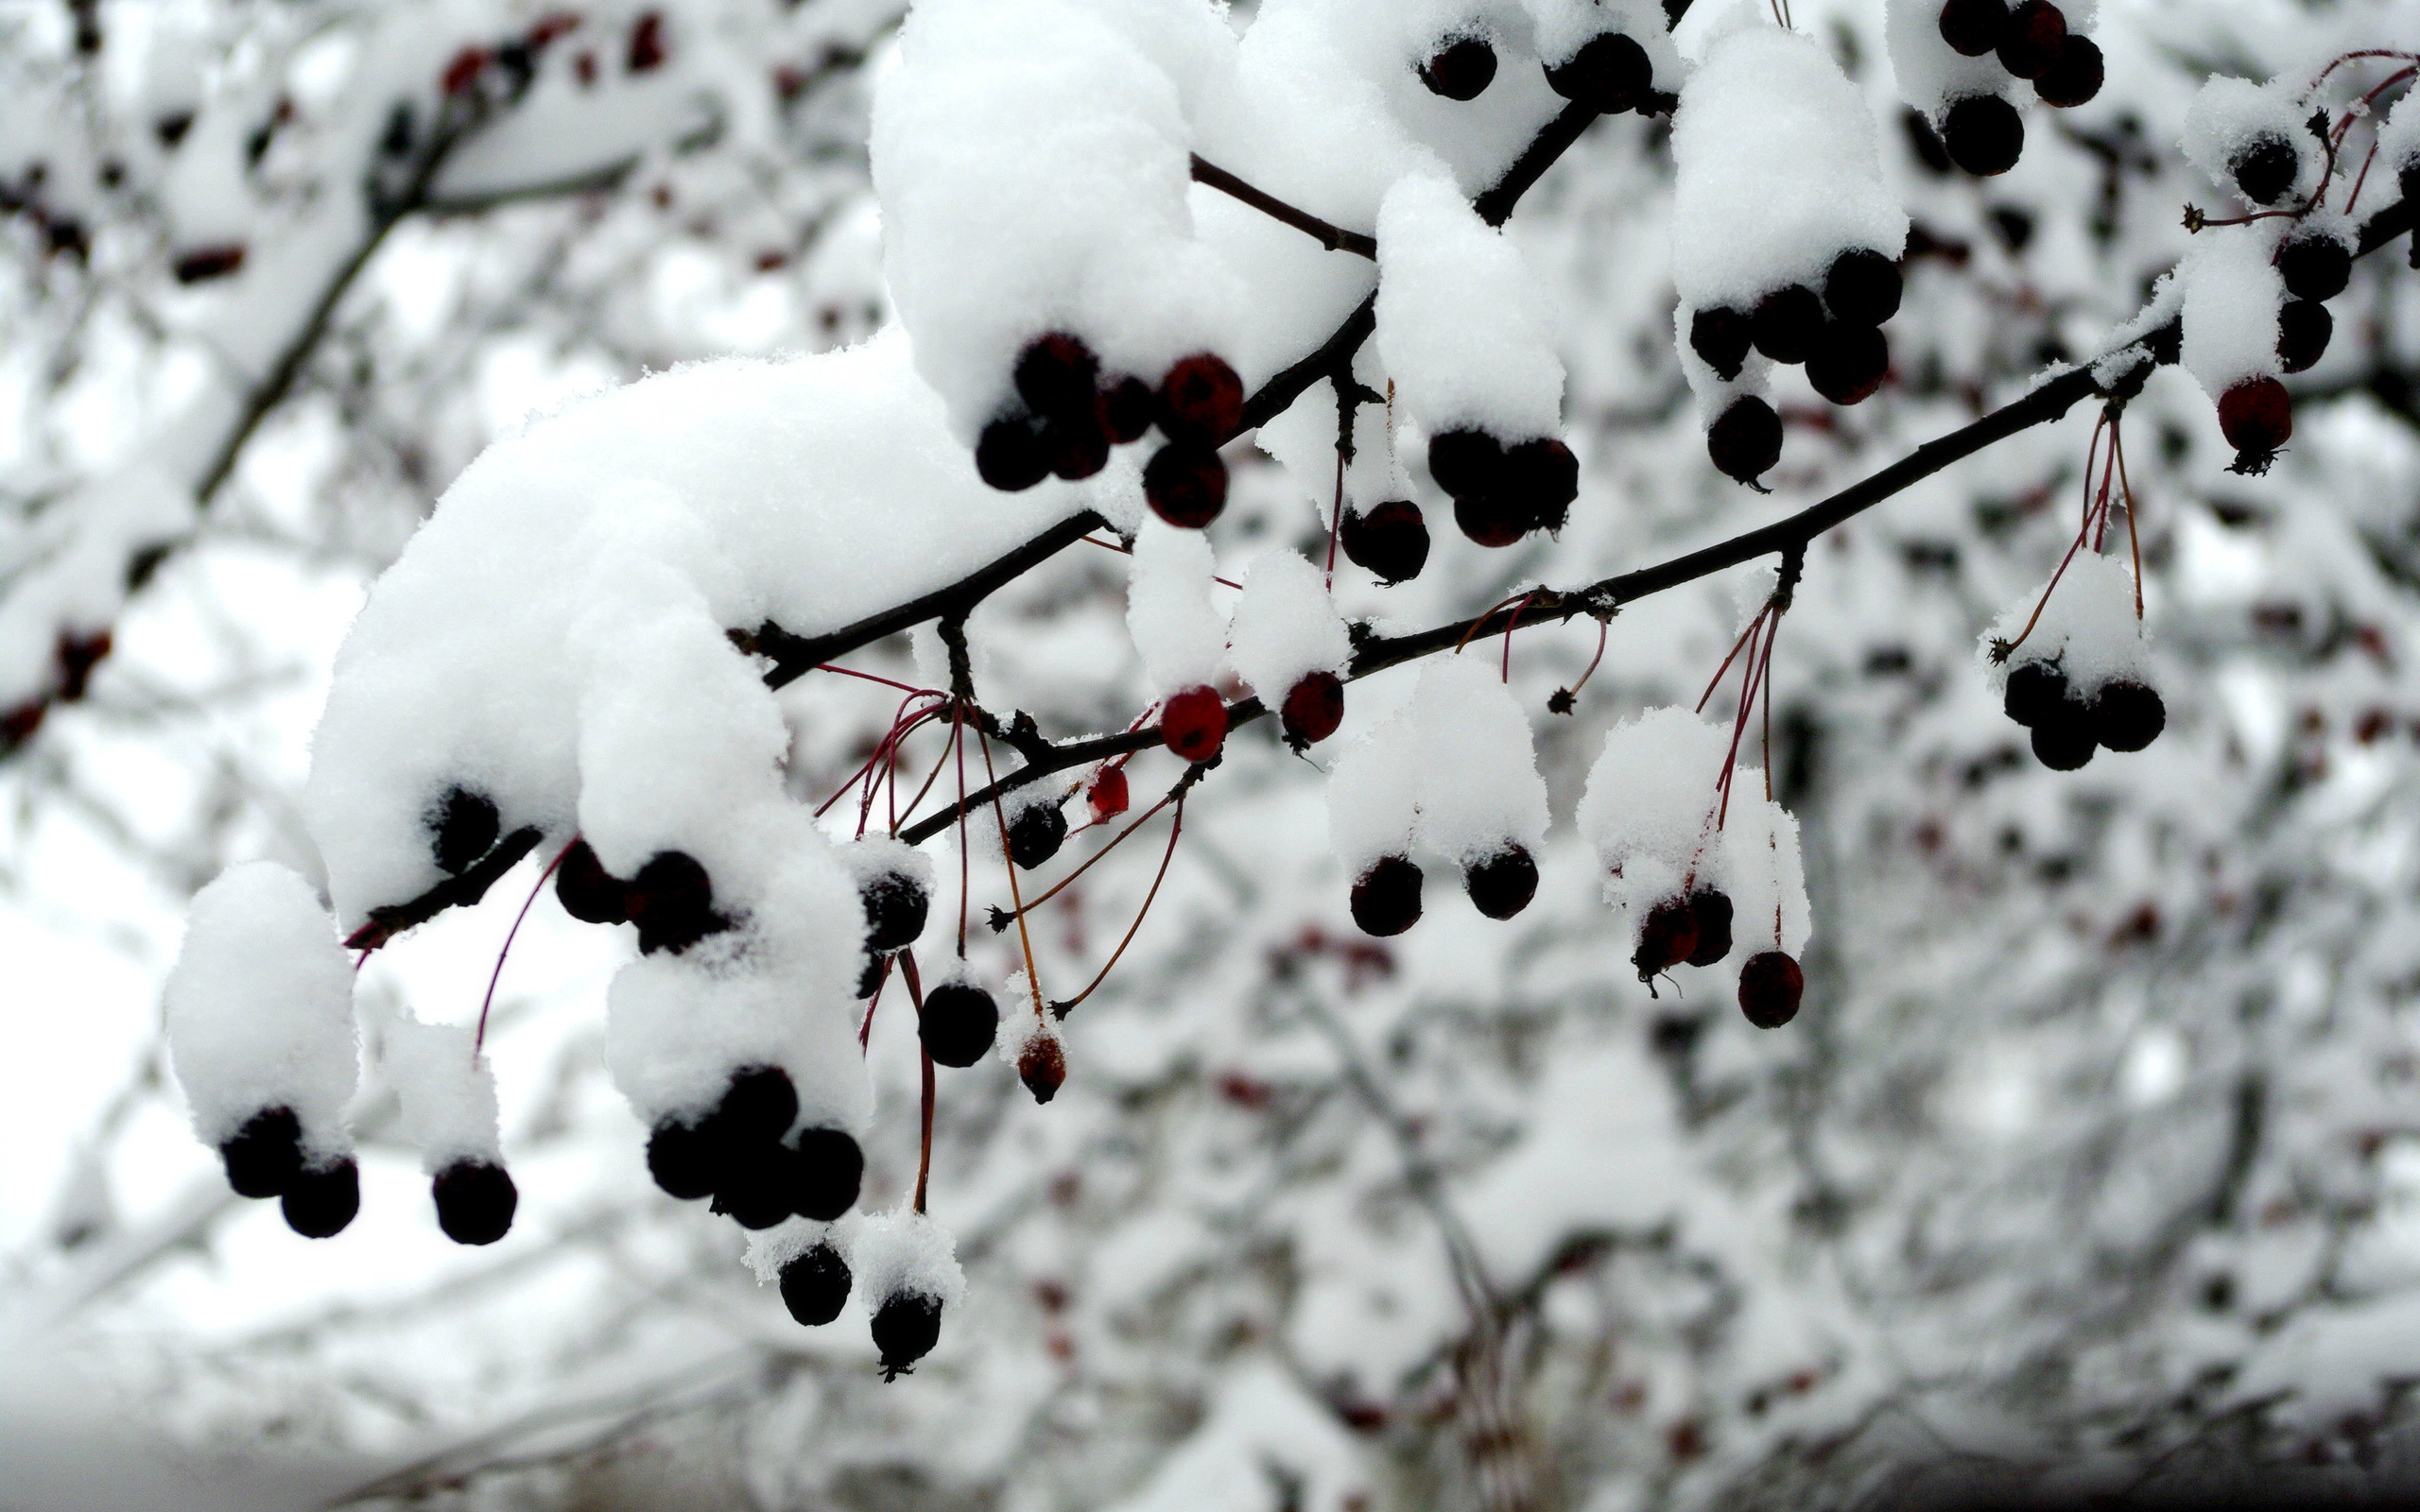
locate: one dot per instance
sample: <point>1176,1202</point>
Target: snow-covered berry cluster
<point>1960,64</point>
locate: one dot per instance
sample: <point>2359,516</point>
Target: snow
<point>1932,74</point>
<point>1462,326</point>
<point>1372,795</point>
<point>1303,439</point>
<point>84,544</point>
<point>2232,296</point>
<point>1284,626</point>
<point>769,1250</point>
<point>2229,114</point>
<point>1262,1427</point>
<point>260,1008</point>
<point>2399,136</point>
<point>909,1252</point>
<point>2088,627</point>
<point>1477,786</point>
<point>1562,27</point>
<point>446,1090</point>
<point>1179,634</point>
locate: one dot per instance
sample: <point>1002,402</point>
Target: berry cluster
<point>671,899</point>
<point>815,1284</point>
<point>1070,414</point>
<point>743,1155</point>
<point>1984,133</point>
<point>1610,73</point>
<point>1836,333</point>
<point>475,1200</point>
<point>1386,896</point>
<point>2123,714</point>
<point>1501,492</point>
<point>1693,928</point>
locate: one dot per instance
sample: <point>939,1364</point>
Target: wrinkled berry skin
<point>1041,1065</point>
<point>1770,986</point>
<point>1386,898</point>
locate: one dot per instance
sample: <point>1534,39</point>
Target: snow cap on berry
<point>1462,324</point>
<point>1930,74</point>
<point>2232,294</point>
<point>1372,795</point>
<point>2088,627</point>
<point>1478,785</point>
<point>1561,28</point>
<point>769,1250</point>
<point>260,1008</point>
<point>2230,117</point>
<point>1179,634</point>
<point>905,1251</point>
<point>445,1092</point>
<point>1303,439</point>
<point>1285,626</point>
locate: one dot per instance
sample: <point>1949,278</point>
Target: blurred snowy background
<point>2093,1164</point>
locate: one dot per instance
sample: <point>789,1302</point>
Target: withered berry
<point>1669,938</point>
<point>906,1328</point>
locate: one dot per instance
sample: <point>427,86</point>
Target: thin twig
<point>1334,238</point>
<point>1063,1009</point>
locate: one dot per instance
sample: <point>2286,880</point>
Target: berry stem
<point>999,812</point>
<point>1063,1009</point>
<point>480,1038</point>
<point>925,1150</point>
<point>1604,627</point>
<point>2126,485</point>
<point>851,672</point>
<point>1192,775</point>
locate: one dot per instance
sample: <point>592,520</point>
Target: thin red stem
<point>1000,813</point>
<point>1176,829</point>
<point>480,1038</point>
<point>851,672</point>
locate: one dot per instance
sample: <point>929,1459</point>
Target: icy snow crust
<point>260,1008</point>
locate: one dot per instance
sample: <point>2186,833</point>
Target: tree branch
<point>1334,238</point>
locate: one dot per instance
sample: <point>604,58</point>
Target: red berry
<point>1490,518</point>
<point>463,71</point>
<point>1128,406</point>
<point>1200,397</point>
<point>1770,986</point>
<point>959,1023</point>
<point>587,891</point>
<point>1710,916</point>
<point>1313,707</point>
<point>1055,375</point>
<point>1193,724</point>
<point>1721,339</point>
<point>1610,73</point>
<point>1106,794</point>
<point>2304,327</point>
<point>1746,440</point>
<point>1667,938</point>
<point>1973,27</point>
<point>1041,1065</point>
<point>2075,79</point>
<point>1185,484</point>
<point>815,1284</point>
<point>475,1201</point>
<point>321,1200</point>
<point>1984,134</point>
<point>1862,286</point>
<point>1386,898</point>
<point>1462,70</point>
<point>1011,455</point>
<point>1390,542</point>
<point>1501,884</point>
<point>2257,415</point>
<point>1786,323</point>
<point>2030,42</point>
<point>1466,461</point>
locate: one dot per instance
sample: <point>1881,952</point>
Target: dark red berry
<point>266,1155</point>
<point>826,1171</point>
<point>1984,134</point>
<point>1786,323</point>
<point>1011,455</point>
<point>1501,884</point>
<point>687,1159</point>
<point>463,827</point>
<point>753,1187</point>
<point>1386,898</point>
<point>2304,327</point>
<point>1466,461</point>
<point>906,1328</point>
<point>1390,542</point>
<point>896,909</point>
<point>1055,375</point>
<point>1848,363</point>
<point>1202,397</point>
<point>1721,337</point>
<point>198,266</point>
<point>2064,740</point>
<point>587,891</point>
<point>2265,169</point>
<point>1185,484</point>
<point>2030,41</point>
<point>1770,985</point>
<point>815,1284</point>
<point>1667,938</point>
<point>1106,794</point>
<point>475,1201</point>
<point>1745,439</point>
<point>959,1023</point>
<point>1128,407</point>
<point>1610,73</point>
<point>2257,415</point>
<point>647,42</point>
<point>758,1106</point>
<point>2127,715</point>
<point>1973,27</point>
<point>1542,478</point>
<point>1490,518</point>
<point>171,129</point>
<point>1036,833</point>
<point>321,1200</point>
<point>1041,1065</point>
<point>2036,691</point>
<point>1193,724</point>
<point>671,899</point>
<point>1710,916</point>
<point>1313,707</point>
<point>2315,266</point>
<point>2075,78</point>
<point>1460,70</point>
<point>1862,288</point>
<point>1924,142</point>
<point>1078,446</point>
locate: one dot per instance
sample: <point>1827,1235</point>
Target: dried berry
<point>1501,884</point>
<point>895,908</point>
<point>1849,363</point>
<point>959,1023</point>
<point>475,1200</point>
<point>1390,542</point>
<point>1193,724</point>
<point>2265,169</point>
<point>2256,415</point>
<point>1667,938</point>
<point>1313,707</point>
<point>463,827</point>
<point>1011,455</point>
<point>264,1156</point>
<point>1460,70</point>
<point>1746,440</point>
<point>2304,328</point>
<point>826,1170</point>
<point>321,1200</point>
<point>1036,833</point>
<point>1202,399</point>
<point>1610,73</point>
<point>1770,986</point>
<point>1721,336</point>
<point>2127,715</point>
<point>1862,286</point>
<point>2031,40</point>
<point>2075,78</point>
<point>1983,135</point>
<point>906,1328</point>
<point>1710,915</point>
<point>815,1284</point>
<point>1055,375</point>
<point>1786,323</point>
<point>1185,484</point>
<point>1386,898</point>
<point>1041,1065</point>
<point>1973,27</point>
<point>2315,266</point>
<point>2036,691</point>
<point>587,891</point>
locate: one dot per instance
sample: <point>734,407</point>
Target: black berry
<point>1077,444</point>
<point>1786,323</point>
<point>1667,938</point>
<point>1466,462</point>
<point>1710,915</point>
<point>896,909</point>
<point>2031,39</point>
<point>1721,337</point>
<point>2265,169</point>
<point>1202,397</point>
<point>475,1201</point>
<point>1390,542</point>
<point>1862,286</point>
<point>266,1155</point>
<point>587,891</point>
<point>2315,266</point>
<point>2064,741</point>
<point>2127,715</point>
<point>2304,327</point>
<point>1185,484</point>
<point>1770,985</point>
<point>321,1200</point>
<point>1541,476</point>
<point>906,1328</point>
<point>1490,518</point>
<point>755,1186</point>
<point>671,899</point>
<point>2075,78</point>
<point>1610,73</point>
<point>1036,833</point>
<point>1745,439</point>
<point>1984,134</point>
<point>1011,455</point>
<point>687,1159</point>
<point>1973,27</point>
<point>959,1023</point>
<point>2036,691</point>
<point>815,1284</point>
<point>1128,407</point>
<point>1055,375</point>
<point>463,826</point>
<point>1501,884</point>
<point>1313,707</point>
<point>1848,363</point>
<point>759,1105</point>
<point>871,975</point>
<point>1462,70</point>
<point>825,1172</point>
<point>1386,898</point>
